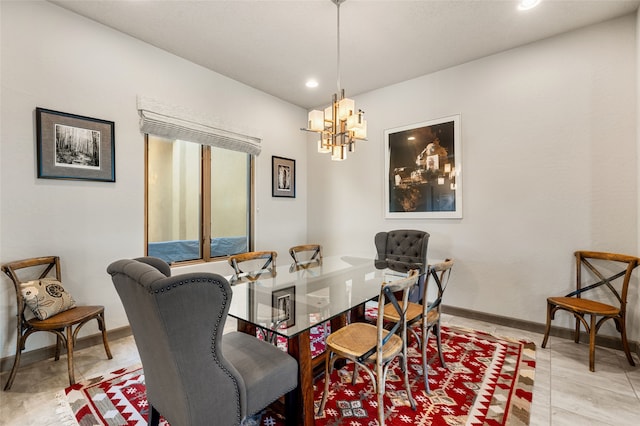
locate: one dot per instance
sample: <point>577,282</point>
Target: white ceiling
<point>275,46</point>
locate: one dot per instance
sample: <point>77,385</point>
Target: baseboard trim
<point>41,354</point>
<point>565,333</point>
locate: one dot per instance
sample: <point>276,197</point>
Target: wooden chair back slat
<point>313,252</point>
<point>249,258</point>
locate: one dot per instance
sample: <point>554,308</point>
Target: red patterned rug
<point>489,382</point>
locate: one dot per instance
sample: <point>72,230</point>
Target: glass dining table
<point>292,299</point>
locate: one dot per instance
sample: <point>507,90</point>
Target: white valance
<point>171,122</point>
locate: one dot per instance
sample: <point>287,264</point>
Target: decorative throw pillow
<point>46,297</point>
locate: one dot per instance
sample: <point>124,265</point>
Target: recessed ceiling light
<point>411,138</point>
<point>311,83</point>
<point>528,4</point>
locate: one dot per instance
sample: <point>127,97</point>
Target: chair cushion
<point>46,297</point>
<point>267,371</point>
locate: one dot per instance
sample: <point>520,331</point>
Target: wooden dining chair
<point>305,257</point>
<point>253,262</point>
<point>252,266</point>
<point>427,313</point>
<point>52,309</point>
<point>306,253</point>
<point>365,344</point>
<point>588,299</point>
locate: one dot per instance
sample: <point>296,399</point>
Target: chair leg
<point>406,369</point>
<point>548,327</point>
<point>16,360</point>
<point>576,334</point>
<point>72,377</point>
<point>327,377</point>
<point>425,364</point>
<point>354,376</point>
<point>56,356</point>
<point>625,342</point>
<point>291,403</point>
<point>415,336</point>
<point>408,387</point>
<point>103,328</point>
<point>592,343</point>
<point>436,330</point>
<point>380,391</point>
<point>154,416</point>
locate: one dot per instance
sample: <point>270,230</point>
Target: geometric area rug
<point>488,381</point>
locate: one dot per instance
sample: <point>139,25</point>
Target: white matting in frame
<point>423,165</point>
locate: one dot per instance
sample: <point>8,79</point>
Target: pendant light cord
<point>338,48</point>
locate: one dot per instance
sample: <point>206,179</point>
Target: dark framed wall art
<point>283,179</point>
<point>423,164</point>
<point>74,147</point>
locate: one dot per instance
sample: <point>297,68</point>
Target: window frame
<point>205,205</point>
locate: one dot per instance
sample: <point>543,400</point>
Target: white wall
<point>549,166</point>
<point>635,315</point>
<point>549,133</point>
<point>55,59</point>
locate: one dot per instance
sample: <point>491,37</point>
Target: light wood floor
<point>565,392</point>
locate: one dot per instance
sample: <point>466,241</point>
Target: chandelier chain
<point>338,47</point>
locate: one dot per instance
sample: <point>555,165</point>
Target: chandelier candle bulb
<point>361,131</point>
<point>316,120</point>
<point>355,121</point>
<point>346,107</point>
<point>328,114</point>
<point>339,153</point>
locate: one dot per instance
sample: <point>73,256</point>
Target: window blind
<point>172,122</point>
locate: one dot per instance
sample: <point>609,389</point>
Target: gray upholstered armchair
<point>402,250</point>
<point>194,374</point>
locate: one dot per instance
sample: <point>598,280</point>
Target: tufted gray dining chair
<point>403,250</point>
<point>195,374</point>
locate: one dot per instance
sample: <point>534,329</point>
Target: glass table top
<point>294,298</point>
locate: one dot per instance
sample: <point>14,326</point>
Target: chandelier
<point>339,125</point>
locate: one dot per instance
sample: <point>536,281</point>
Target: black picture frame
<point>74,147</point>
<point>284,306</point>
<point>283,177</point>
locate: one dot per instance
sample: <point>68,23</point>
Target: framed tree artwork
<point>74,147</point>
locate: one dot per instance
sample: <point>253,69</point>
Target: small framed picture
<point>283,181</point>
<point>74,147</point>
<point>284,306</point>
